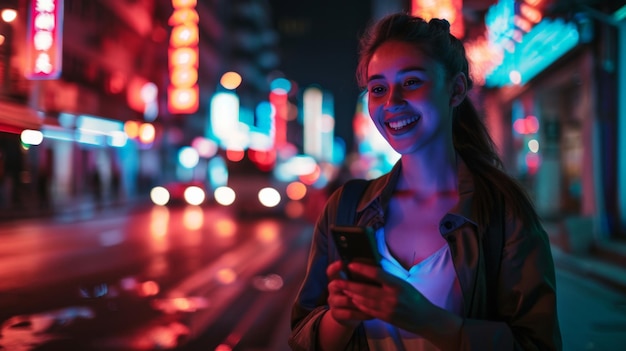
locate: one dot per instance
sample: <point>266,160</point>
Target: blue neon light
<point>499,21</point>
<point>544,44</point>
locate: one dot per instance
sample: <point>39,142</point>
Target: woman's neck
<point>426,174</point>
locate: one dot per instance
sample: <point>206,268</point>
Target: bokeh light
<point>231,80</point>
<point>294,209</point>
<point>280,86</point>
<point>515,77</point>
<point>159,196</point>
<point>132,129</point>
<point>225,228</point>
<point>188,157</point>
<point>224,196</point>
<point>296,190</point>
<point>8,15</point>
<point>146,133</point>
<point>533,145</point>
<point>206,148</point>
<point>194,195</point>
<point>226,276</point>
<point>269,197</point>
<point>235,155</point>
<point>31,137</point>
<point>159,222</point>
<point>193,218</point>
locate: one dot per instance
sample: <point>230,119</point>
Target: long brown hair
<point>470,136</point>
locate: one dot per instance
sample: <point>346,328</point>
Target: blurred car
<point>252,195</point>
<point>179,192</point>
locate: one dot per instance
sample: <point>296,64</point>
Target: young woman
<point>437,216</point>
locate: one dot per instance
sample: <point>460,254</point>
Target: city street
<point>188,279</point>
<point>162,162</point>
<point>153,279</point>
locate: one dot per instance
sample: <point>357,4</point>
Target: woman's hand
<point>342,309</point>
<point>395,301</point>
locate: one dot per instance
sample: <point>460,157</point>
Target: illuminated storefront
<point>552,104</point>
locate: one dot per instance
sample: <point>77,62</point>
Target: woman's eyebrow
<point>402,71</point>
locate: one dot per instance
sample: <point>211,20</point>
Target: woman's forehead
<point>399,56</point>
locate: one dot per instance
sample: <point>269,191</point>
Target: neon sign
<point>183,92</point>
<point>544,44</point>
<point>45,33</point>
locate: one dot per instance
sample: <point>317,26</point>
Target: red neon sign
<point>45,33</point>
<point>183,92</point>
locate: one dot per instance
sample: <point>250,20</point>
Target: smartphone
<point>356,244</point>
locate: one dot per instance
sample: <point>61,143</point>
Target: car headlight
<point>159,196</point>
<point>194,195</point>
<point>224,196</point>
<point>269,197</point>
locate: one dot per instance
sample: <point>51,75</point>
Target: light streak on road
<point>267,231</point>
<point>159,221</point>
<point>193,218</point>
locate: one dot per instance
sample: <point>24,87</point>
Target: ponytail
<point>491,184</point>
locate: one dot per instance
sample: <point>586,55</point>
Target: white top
<point>434,277</point>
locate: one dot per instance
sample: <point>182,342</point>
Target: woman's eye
<point>411,82</point>
<point>377,90</point>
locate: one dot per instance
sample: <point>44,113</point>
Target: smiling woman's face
<point>409,96</point>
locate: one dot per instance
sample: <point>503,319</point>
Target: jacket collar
<point>383,187</point>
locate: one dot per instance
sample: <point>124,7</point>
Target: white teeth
<point>399,124</point>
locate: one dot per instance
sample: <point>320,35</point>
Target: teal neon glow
<point>499,21</point>
<point>265,114</point>
<point>544,44</point>
<point>620,14</point>
<point>281,84</point>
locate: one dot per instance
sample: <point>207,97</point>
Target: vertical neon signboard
<point>183,92</point>
<point>45,34</point>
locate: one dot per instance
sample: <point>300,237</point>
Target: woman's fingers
<point>333,271</point>
<point>375,273</point>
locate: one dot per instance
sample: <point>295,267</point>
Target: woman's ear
<point>459,89</point>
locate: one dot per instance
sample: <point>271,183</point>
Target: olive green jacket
<point>524,316</point>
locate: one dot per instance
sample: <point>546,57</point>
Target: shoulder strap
<point>348,201</point>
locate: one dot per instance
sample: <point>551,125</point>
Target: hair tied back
<point>440,24</point>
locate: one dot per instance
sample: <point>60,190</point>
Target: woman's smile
<point>403,125</point>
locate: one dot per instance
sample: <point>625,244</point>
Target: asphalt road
<point>195,279</point>
<point>179,278</point>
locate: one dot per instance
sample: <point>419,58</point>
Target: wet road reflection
<point>154,281</point>
<point>23,332</point>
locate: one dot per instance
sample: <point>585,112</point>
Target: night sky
<point>318,46</point>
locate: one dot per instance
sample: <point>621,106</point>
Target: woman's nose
<point>395,100</point>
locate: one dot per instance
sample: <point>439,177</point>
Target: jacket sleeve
<point>310,304</point>
<point>526,297</point>
<point>311,300</point>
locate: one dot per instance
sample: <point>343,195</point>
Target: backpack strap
<point>348,201</point>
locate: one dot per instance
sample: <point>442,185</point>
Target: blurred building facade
<point>107,51</point>
<point>113,55</point>
<point>554,106</point>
